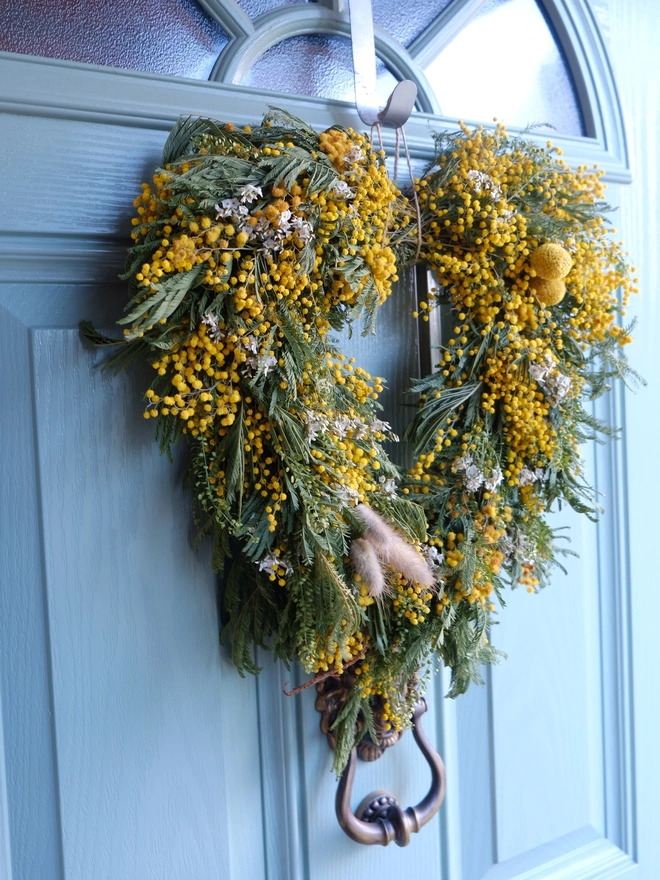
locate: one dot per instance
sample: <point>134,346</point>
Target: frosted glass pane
<point>406,21</point>
<point>168,36</point>
<point>403,21</point>
<point>507,63</point>
<point>258,7</point>
<point>317,65</point>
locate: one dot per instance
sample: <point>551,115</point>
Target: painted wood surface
<point>130,747</point>
<point>633,30</point>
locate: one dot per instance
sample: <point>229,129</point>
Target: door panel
<point>147,738</point>
<point>138,721</point>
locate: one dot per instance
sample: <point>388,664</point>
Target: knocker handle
<point>379,818</point>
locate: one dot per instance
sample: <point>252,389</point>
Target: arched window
<point>523,61</point>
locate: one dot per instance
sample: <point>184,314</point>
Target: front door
<point>129,746</point>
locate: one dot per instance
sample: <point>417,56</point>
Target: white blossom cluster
<point>518,547</point>
<point>474,477</point>
<point>354,155</point>
<point>211,322</point>
<point>384,428</point>
<point>527,476</point>
<point>254,363</point>
<point>317,423</point>
<point>271,236</point>
<point>348,494</point>
<point>341,190</point>
<point>484,183</point>
<point>539,371</point>
<point>433,556</point>
<point>554,383</point>
<point>387,486</point>
<point>271,563</point>
<point>504,218</point>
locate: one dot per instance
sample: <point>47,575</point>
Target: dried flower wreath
<point>250,246</point>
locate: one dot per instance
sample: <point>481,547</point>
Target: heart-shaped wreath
<point>250,246</point>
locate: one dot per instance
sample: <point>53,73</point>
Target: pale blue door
<point>129,747</point>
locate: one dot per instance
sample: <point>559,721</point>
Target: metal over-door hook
<point>401,102</point>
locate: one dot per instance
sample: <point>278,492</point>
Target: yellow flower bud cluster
<point>411,601</point>
<point>336,144</point>
<point>397,699</point>
<point>236,294</point>
<point>204,383</point>
<point>331,653</point>
<point>523,256</point>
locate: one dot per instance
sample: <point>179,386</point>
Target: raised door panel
<point>146,720</point>
<point>540,761</point>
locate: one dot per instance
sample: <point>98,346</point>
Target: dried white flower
<point>347,493</point>
<point>255,365</point>
<point>261,226</point>
<point>354,155</point>
<point>388,486</point>
<point>554,383</point>
<point>282,221</point>
<point>341,426</point>
<point>230,208</point>
<point>433,556</point>
<point>211,322</point>
<point>484,183</point>
<point>271,563</point>
<point>474,479</point>
<point>527,476</point>
<point>302,228</point>
<point>494,480</point>
<point>272,243</point>
<point>227,208</point>
<point>249,193</point>
<point>557,386</point>
<point>378,425</point>
<point>341,190</point>
<point>519,547</point>
<point>462,463</point>
<point>539,370</point>
<point>315,424</point>
<point>504,217</point>
<point>268,364</point>
<point>249,343</point>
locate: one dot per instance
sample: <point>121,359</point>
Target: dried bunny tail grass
<point>367,565</point>
<point>393,550</point>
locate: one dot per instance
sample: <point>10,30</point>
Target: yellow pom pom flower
<point>551,262</point>
<point>549,293</point>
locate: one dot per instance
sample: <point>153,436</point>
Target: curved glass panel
<point>169,36</point>
<point>258,7</point>
<point>406,21</point>
<point>507,63</point>
<point>318,65</point>
<point>403,21</point>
